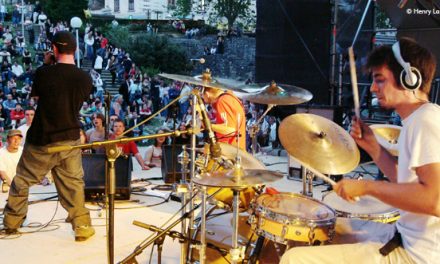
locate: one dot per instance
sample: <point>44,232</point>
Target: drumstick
<point>354,83</point>
<point>325,178</point>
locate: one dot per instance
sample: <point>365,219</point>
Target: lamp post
<point>76,23</point>
<point>22,19</point>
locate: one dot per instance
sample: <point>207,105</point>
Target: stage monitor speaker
<point>171,169</point>
<point>94,166</point>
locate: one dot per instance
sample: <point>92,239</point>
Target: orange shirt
<point>229,111</point>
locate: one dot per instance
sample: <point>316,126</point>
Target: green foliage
<point>382,20</point>
<point>60,10</point>
<point>118,36</point>
<point>183,8</point>
<point>157,54</point>
<point>231,10</point>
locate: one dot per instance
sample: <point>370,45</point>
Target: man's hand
<point>363,135</point>
<point>351,189</point>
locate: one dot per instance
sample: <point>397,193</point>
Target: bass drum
<point>227,161</point>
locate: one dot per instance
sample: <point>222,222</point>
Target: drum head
<point>367,205</point>
<point>295,206</point>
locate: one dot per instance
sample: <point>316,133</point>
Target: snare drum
<point>288,217</point>
<point>367,208</point>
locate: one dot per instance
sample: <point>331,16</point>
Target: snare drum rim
<point>262,211</point>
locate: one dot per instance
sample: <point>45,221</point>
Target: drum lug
<point>331,233</point>
<point>312,227</point>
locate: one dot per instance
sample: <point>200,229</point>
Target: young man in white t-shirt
<point>10,155</point>
<point>414,178</point>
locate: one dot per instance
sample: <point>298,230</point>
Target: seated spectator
<point>17,70</point>
<point>97,133</point>
<point>86,113</point>
<point>10,156</point>
<point>17,115</point>
<point>29,116</point>
<point>153,153</point>
<point>3,119</point>
<point>129,147</point>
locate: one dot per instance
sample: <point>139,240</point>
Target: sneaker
<point>82,233</point>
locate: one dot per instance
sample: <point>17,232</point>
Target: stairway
<point>105,76</point>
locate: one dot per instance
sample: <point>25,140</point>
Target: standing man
<point>10,155</point>
<point>414,185</point>
<point>61,89</point>
<point>229,111</point>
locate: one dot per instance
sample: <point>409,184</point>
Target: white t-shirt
<point>24,129</point>
<point>9,161</point>
<point>419,144</point>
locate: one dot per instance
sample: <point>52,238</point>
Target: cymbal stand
<point>307,179</point>
<point>256,127</point>
<point>184,189</point>
<point>112,153</point>
<point>236,252</point>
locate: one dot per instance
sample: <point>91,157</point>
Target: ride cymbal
<point>319,143</point>
<point>276,95</point>
<point>206,80</point>
<point>387,136</point>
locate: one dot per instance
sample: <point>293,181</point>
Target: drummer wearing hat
<point>10,155</point>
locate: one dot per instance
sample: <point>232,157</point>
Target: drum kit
<point>232,180</point>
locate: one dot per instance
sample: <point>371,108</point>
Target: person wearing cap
<point>10,155</point>
<point>60,88</point>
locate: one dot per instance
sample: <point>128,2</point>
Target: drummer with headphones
<point>402,76</point>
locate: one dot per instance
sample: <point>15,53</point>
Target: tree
<point>182,8</point>
<point>62,10</point>
<point>231,10</point>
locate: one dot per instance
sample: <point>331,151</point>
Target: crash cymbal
<point>276,95</point>
<point>319,143</point>
<point>387,136</point>
<point>248,161</point>
<point>223,129</point>
<point>206,80</point>
<point>237,178</point>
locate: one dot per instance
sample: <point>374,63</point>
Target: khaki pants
<point>356,241</point>
<point>67,173</point>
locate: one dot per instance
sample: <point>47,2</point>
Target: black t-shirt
<point>61,88</point>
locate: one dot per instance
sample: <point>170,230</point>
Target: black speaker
<point>94,166</point>
<point>171,169</point>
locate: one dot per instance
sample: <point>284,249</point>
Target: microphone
<point>201,60</point>
<point>214,146</point>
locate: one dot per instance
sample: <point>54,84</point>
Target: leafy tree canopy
<point>64,10</point>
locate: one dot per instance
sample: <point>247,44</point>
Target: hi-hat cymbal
<point>319,143</point>
<point>277,95</point>
<point>387,136</point>
<point>248,161</point>
<point>206,80</point>
<point>237,178</point>
<point>223,129</point>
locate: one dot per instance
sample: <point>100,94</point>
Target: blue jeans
<point>67,174</point>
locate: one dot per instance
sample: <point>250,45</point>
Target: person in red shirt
<point>17,114</point>
<point>129,147</point>
<point>229,111</point>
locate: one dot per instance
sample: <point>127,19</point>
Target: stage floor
<point>48,239</point>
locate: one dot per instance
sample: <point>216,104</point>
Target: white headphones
<point>410,77</point>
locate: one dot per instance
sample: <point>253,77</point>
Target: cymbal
<point>247,160</point>
<point>223,129</point>
<point>276,95</point>
<point>237,178</point>
<point>319,143</point>
<point>206,80</point>
<point>387,136</point>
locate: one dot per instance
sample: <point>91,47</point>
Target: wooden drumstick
<point>354,83</point>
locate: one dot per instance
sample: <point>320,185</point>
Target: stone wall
<point>237,62</point>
